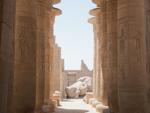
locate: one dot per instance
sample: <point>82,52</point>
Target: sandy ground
<point>74,106</point>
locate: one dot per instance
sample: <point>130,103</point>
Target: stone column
<point>58,67</point>
<point>52,66</point>
<point>132,77</point>
<point>55,85</point>
<point>98,84</point>
<point>62,89</point>
<point>42,15</point>
<point>112,55</point>
<point>147,14</point>
<point>25,57</point>
<point>47,43</point>
<point>7,22</point>
<point>54,12</point>
<point>52,42</point>
<point>56,77</point>
<point>103,54</point>
<point>92,21</point>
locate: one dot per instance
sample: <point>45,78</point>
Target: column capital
<point>56,11</point>
<point>99,2</point>
<point>92,20</point>
<point>95,12</point>
<point>96,2</point>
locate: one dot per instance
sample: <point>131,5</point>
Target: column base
<point>95,103</point>
<point>88,96</point>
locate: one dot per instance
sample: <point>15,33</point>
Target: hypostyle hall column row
<point>24,55</point>
<point>122,55</point>
<point>102,78</point>
<point>54,12</point>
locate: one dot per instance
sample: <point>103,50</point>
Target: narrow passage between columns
<point>74,106</point>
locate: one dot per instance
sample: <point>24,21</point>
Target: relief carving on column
<point>25,42</point>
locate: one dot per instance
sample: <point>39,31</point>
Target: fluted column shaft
<point>97,70</point>
<point>132,77</point>
<point>98,61</point>
<point>52,67</point>
<point>104,53</point>
<point>41,89</point>
<point>51,49</point>
<point>54,12</point>
<point>25,57</point>
<point>95,60</point>
<point>52,54</point>
<point>48,61</point>
<point>94,22</point>
<point>57,67</point>
<point>48,37</point>
<point>100,81</point>
<point>112,55</point>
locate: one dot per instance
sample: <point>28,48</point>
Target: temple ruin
<point>29,56</point>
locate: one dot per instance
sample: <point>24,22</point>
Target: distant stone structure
<point>71,76</point>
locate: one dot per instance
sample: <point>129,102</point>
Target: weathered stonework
<point>57,70</point>
<point>55,56</point>
<point>42,16</point>
<point>31,68</point>
<point>7,21</point>
<point>132,76</point>
<point>122,55</point>
<point>112,53</point>
<point>147,12</point>
<point>96,72</point>
<point>25,57</point>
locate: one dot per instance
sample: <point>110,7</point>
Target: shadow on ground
<point>67,100</point>
<point>60,110</point>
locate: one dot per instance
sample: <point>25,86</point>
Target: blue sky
<point>74,34</point>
